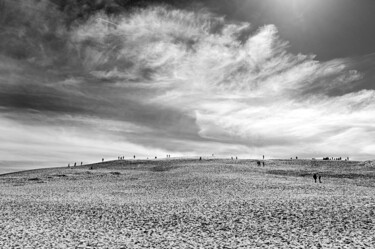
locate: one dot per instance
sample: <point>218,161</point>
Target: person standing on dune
<point>315,177</point>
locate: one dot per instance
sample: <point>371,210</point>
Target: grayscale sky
<point>84,80</point>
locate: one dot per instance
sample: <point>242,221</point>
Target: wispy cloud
<point>161,79</point>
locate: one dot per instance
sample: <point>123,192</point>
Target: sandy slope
<point>190,204</point>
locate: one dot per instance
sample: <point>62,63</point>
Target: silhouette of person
<point>320,179</point>
<point>296,157</point>
<point>263,157</point>
<point>263,163</point>
<point>315,176</point>
<point>236,158</point>
<point>81,163</point>
<point>134,156</point>
<point>75,164</point>
<point>102,159</point>
<point>200,158</point>
<point>68,165</point>
<point>156,158</point>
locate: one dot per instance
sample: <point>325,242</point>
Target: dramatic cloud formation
<point>160,80</point>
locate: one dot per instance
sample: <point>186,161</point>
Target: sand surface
<point>190,204</point>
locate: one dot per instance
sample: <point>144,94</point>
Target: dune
<point>187,203</point>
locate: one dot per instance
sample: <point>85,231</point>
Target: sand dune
<point>190,204</point>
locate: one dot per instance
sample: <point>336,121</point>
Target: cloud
<point>237,90</point>
<point>160,79</point>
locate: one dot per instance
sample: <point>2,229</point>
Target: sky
<point>86,80</point>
